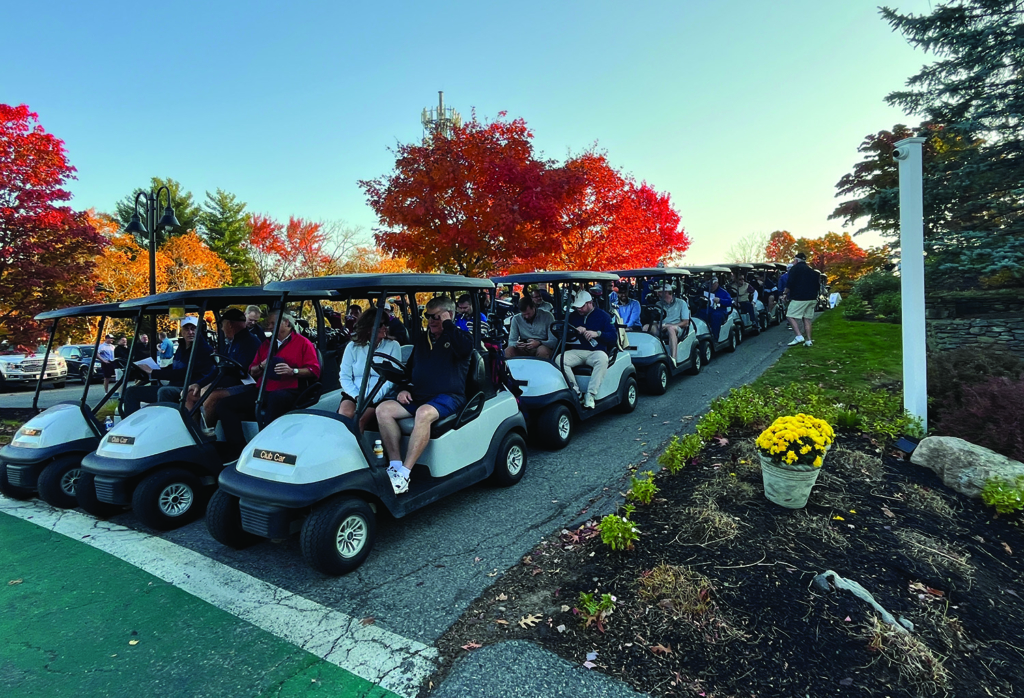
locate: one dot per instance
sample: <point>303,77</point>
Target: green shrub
<point>642,489</point>
<point>854,308</point>
<point>593,610</point>
<point>874,284</point>
<point>1007,497</point>
<point>618,532</point>
<point>889,305</point>
<point>680,452</point>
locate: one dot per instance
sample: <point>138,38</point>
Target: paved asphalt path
<point>427,568</point>
<point>20,397</point>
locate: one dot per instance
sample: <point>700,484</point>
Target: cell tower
<point>440,119</point>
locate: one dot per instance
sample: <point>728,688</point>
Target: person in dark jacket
<point>437,375</point>
<point>241,345</point>
<point>802,287</point>
<point>594,336</point>
<point>175,373</point>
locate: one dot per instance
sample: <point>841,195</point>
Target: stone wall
<point>976,320</point>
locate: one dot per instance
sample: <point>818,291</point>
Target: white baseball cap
<point>190,320</point>
<point>582,298</point>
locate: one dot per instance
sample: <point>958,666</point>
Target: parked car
<point>25,368</point>
<point>78,357</point>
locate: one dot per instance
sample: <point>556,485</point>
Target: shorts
<point>108,369</point>
<point>801,309</point>
<point>446,405</point>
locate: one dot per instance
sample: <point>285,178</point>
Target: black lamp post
<point>151,205</point>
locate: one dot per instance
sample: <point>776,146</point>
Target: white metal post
<point>915,367</point>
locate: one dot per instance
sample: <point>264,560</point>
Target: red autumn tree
<point>46,248</point>
<point>611,222</point>
<point>469,201</point>
<point>299,249</point>
<point>781,247</point>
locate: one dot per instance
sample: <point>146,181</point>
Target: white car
<point>25,368</point>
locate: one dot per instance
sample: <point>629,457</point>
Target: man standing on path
<point>802,287</point>
<point>106,356</point>
<point>165,351</point>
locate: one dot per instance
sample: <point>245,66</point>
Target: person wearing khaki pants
<point>597,336</point>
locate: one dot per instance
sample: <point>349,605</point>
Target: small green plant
<point>680,452</point>
<point>854,308</point>
<point>642,489</point>
<point>712,424</point>
<point>888,304</point>
<point>594,611</point>
<point>848,419</point>
<point>1007,497</point>
<point>618,532</point>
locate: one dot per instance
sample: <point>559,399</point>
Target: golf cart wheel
<point>708,352</point>
<point>85,494</point>
<point>224,521</point>
<point>58,481</point>
<point>168,499</point>
<point>338,535</point>
<point>656,379</point>
<point>696,360</point>
<point>554,426</point>
<point>733,342</point>
<point>739,333</point>
<point>510,463</point>
<point>629,396</point>
<point>9,490</point>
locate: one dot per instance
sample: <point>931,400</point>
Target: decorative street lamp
<point>151,204</point>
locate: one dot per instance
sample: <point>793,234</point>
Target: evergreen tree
<point>227,231</point>
<point>189,214</point>
<point>975,90</point>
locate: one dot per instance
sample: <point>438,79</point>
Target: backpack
<point>620,330</point>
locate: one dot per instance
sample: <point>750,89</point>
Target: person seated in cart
<point>530,332</point>
<point>294,360</point>
<point>676,323</point>
<point>464,315</point>
<point>242,346</point>
<point>542,299</point>
<point>175,373</point>
<point>746,296</point>
<point>354,360</point>
<point>595,337</point>
<point>629,308</point>
<point>437,371</point>
<point>719,304</point>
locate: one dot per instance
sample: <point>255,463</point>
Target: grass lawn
<point>846,355</point>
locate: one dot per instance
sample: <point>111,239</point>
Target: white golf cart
<point>45,455</point>
<point>649,351</point>
<point>313,471</point>
<point>160,460</point>
<point>547,399</point>
<point>729,333</point>
<point>752,324</point>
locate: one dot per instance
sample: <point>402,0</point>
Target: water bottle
<point>109,423</point>
<point>378,449</point>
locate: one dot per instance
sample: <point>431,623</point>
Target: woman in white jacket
<point>353,363</point>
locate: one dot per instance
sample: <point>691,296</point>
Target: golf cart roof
<point>550,277</point>
<point>230,295</point>
<point>707,269</point>
<point>764,266</point>
<point>781,266</point>
<point>92,310</point>
<point>379,282</point>
<point>654,271</point>
<point>737,265</point>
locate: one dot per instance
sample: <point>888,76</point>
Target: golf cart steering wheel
<point>388,367</point>
<point>221,360</point>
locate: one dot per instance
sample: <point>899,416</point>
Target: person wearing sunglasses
<point>435,388</point>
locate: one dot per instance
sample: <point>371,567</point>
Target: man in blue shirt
<point>241,345</point>
<point>154,392</point>
<point>464,315</point>
<point>165,351</point>
<point>629,309</point>
<point>595,336</point>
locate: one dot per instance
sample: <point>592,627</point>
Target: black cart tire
<point>733,342</point>
<point>629,396</point>
<point>58,481</point>
<point>510,463</point>
<point>224,521</point>
<point>168,499</point>
<point>338,535</point>
<point>656,379</point>
<point>696,360</point>
<point>9,490</point>
<point>85,495</point>
<point>709,351</point>
<point>555,427</point>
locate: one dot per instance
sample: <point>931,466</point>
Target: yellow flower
<point>817,462</point>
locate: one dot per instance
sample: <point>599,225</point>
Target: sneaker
<point>796,340</point>
<point>808,343</point>
<point>399,482</point>
<point>588,401</point>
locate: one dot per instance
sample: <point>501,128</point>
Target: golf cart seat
<point>406,353</point>
<point>478,385</point>
<point>311,389</point>
<point>651,314</point>
<point>584,370</point>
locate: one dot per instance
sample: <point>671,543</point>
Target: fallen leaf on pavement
<point>1007,548</point>
<point>528,621</point>
<point>369,620</point>
<point>499,621</point>
<point>565,609</point>
<point>501,597</point>
<point>887,512</point>
<point>19,581</point>
<point>133,642</point>
<point>471,646</point>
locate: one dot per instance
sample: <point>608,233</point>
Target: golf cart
<point>649,351</point>
<point>160,460</point>
<point>756,323</point>
<point>547,399</point>
<point>46,453</point>
<point>730,332</point>
<point>312,470</point>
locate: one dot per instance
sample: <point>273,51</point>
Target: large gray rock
<point>962,465</point>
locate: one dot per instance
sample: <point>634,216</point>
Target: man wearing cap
<point>241,345</point>
<point>595,336</point>
<point>802,287</point>
<point>175,373</point>
<point>677,318</point>
<point>105,354</point>
<point>719,303</point>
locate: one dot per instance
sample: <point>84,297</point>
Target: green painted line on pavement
<point>69,613</point>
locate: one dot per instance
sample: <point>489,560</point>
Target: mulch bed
<point>760,627</point>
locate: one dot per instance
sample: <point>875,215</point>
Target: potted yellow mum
<point>792,451</point>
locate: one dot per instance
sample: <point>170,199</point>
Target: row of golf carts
<point>312,471</point>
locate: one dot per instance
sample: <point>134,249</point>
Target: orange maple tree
<point>299,249</point>
<point>781,247</point>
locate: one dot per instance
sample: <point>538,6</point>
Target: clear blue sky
<point>747,112</point>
